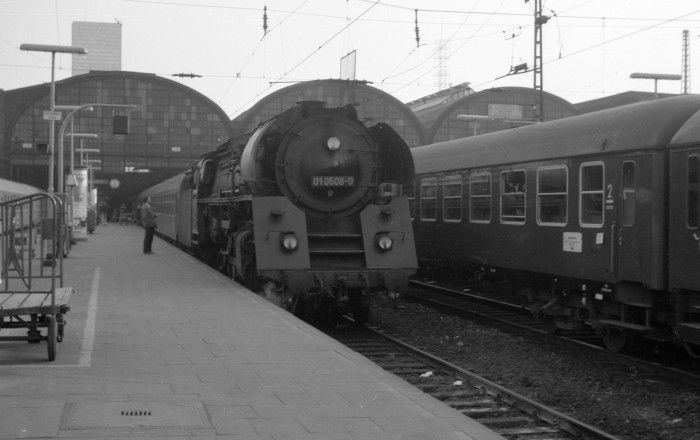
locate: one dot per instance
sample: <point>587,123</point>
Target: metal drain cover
<point>90,415</point>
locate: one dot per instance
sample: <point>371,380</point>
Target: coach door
<point>631,231</point>
<point>684,219</point>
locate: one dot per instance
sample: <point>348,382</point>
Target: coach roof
<point>639,126</point>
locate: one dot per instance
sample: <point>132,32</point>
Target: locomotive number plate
<point>332,181</point>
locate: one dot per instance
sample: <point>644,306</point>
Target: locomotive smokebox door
<point>328,166</point>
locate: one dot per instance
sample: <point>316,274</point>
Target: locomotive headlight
<point>333,143</point>
<point>289,242</point>
<point>384,241</point>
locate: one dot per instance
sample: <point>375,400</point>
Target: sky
<point>589,47</point>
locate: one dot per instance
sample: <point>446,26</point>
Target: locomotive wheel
<point>249,270</point>
<point>692,349</point>
<point>360,306</point>
<point>249,277</point>
<point>617,339</point>
<point>549,324</point>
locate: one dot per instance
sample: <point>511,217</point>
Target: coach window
<point>591,195</point>
<point>629,193</point>
<point>480,198</point>
<point>410,193</point>
<point>693,207</point>
<point>452,198</point>
<point>513,197</point>
<point>552,188</point>
<point>428,199</point>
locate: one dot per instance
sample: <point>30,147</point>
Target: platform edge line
<point>88,341</point>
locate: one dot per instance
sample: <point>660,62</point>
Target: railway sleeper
<point>403,370</point>
<point>446,394</point>
<point>396,363</point>
<point>429,386</point>
<point>497,423</point>
<point>472,403</point>
<point>489,411</point>
<point>532,430</point>
<point>397,357</point>
<point>379,351</point>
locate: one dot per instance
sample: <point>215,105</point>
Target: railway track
<point>504,411</point>
<point>655,360</point>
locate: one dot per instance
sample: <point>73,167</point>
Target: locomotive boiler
<point>305,210</point>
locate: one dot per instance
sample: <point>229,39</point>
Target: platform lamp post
<point>656,77</point>
<point>52,115</point>
<point>63,128</point>
<point>91,199</point>
<point>73,189</point>
<point>73,150</point>
<point>86,150</point>
<point>91,173</point>
<point>72,133</point>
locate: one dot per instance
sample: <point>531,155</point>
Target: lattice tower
<point>685,82</point>
<point>442,75</point>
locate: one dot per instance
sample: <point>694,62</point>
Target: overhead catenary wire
<point>401,85</point>
<point>445,43</point>
<point>298,64</point>
<point>246,73</point>
<point>252,54</point>
<point>606,42</point>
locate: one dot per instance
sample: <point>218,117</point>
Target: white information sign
<point>505,111</point>
<point>80,204</point>
<point>52,116</point>
<point>573,242</point>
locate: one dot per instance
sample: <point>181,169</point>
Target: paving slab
<point>162,346</point>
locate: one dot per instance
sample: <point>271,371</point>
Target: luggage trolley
<point>32,295</point>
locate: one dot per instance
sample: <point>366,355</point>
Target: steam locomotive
<point>305,210</point>
<point>594,218</point>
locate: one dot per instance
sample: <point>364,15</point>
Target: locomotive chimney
<point>310,107</point>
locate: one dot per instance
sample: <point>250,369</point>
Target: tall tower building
<point>103,42</point>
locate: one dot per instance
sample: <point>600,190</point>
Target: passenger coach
<point>596,217</point>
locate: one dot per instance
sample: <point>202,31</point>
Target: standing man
<point>148,217</point>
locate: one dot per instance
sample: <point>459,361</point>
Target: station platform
<point>162,346</point>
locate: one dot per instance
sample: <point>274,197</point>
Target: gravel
<point>616,400</point>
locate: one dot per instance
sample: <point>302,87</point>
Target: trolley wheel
<point>66,248</point>
<point>62,247</point>
<point>617,339</point>
<point>52,337</point>
<point>61,324</point>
